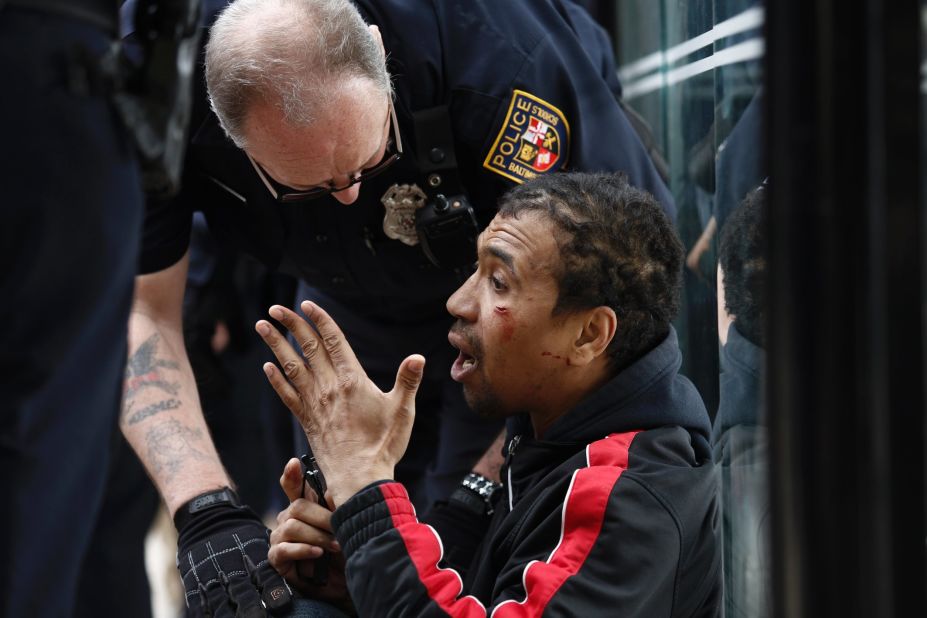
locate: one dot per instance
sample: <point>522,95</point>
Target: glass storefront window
<point>693,70</point>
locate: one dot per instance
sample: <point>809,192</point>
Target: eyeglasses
<point>288,196</point>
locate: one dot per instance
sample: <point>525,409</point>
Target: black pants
<point>71,213</point>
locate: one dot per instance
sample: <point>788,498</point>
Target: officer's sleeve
<point>165,233</point>
<point>562,113</point>
<point>597,43</point>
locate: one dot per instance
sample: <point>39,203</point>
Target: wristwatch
<point>204,502</point>
<point>475,493</point>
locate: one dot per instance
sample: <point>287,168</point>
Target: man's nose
<point>349,195</point>
<point>462,304</point>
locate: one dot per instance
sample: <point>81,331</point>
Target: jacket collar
<point>648,394</point>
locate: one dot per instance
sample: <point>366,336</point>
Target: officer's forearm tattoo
<point>146,371</point>
<point>150,410</point>
<point>170,445</point>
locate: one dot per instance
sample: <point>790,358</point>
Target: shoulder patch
<point>534,139</point>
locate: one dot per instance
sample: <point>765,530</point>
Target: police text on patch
<point>534,139</point>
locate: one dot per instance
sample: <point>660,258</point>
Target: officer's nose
<point>349,195</point>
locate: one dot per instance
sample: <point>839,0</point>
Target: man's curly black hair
<point>743,263</point>
<point>617,248</point>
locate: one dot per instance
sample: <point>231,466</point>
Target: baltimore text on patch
<point>534,139</point>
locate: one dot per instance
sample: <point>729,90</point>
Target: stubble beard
<point>484,402</point>
<point>480,398</point>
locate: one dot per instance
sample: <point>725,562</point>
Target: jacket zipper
<point>513,444</point>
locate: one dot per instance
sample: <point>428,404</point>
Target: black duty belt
<point>93,12</point>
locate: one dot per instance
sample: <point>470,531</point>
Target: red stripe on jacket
<point>583,514</point>
<point>425,549</point>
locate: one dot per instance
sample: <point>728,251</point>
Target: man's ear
<point>597,329</point>
<point>375,31</point>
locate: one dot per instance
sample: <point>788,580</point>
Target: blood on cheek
<point>506,321</point>
<point>557,357</point>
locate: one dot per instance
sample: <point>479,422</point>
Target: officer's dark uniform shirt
<point>531,89</point>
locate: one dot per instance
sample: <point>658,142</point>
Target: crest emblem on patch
<point>534,139</point>
<point>401,202</point>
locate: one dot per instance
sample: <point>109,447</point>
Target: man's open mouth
<point>463,367</point>
<point>466,363</point>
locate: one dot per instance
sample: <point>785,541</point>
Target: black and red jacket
<point>613,513</point>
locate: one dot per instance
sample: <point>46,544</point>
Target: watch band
<point>476,492</point>
<point>204,502</point>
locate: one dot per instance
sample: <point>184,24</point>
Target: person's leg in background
<point>71,215</point>
<point>116,557</point>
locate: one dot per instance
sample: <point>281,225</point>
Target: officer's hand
<point>357,433</point>
<point>303,534</point>
<point>222,558</point>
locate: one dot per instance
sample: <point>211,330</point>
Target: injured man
<point>606,503</point>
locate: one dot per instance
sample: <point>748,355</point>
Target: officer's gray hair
<point>289,53</point>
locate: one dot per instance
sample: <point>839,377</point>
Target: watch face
<point>480,484</point>
<point>480,489</point>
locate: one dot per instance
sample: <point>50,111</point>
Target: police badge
<point>401,202</point>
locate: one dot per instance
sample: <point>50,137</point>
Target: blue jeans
<point>308,608</point>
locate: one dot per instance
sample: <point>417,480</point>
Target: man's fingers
<point>306,337</point>
<point>408,379</point>
<point>283,553</point>
<point>295,527</point>
<point>313,513</point>
<point>291,481</point>
<point>284,389</point>
<point>292,364</point>
<point>333,340</point>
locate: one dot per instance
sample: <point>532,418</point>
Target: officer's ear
<point>375,31</point>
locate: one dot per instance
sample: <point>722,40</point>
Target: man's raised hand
<point>357,432</point>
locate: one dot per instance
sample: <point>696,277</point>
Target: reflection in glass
<point>739,436</point>
<point>694,70</point>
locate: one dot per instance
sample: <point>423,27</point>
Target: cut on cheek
<point>506,322</point>
<point>556,357</point>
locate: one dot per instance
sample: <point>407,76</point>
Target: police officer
<point>348,145</point>
<point>72,212</point>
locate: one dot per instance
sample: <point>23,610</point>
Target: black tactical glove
<point>222,557</point>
